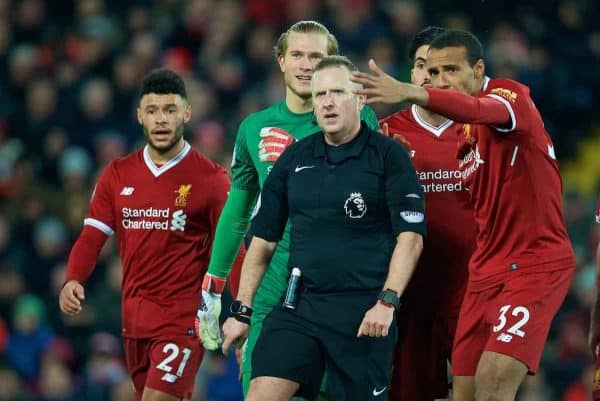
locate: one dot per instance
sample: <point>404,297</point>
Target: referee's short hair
<point>336,61</point>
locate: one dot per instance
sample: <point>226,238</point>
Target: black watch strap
<point>389,297</point>
<point>240,312</point>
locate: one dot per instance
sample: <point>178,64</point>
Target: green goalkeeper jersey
<point>249,174</point>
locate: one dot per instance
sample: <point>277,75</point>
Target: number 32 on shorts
<point>520,312</point>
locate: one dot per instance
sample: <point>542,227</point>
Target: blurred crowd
<point>69,71</point>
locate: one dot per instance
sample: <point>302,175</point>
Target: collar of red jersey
<point>437,131</point>
<point>156,171</point>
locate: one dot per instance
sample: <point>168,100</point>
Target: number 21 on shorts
<point>172,351</point>
<point>519,312</point>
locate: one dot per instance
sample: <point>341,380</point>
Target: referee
<point>357,220</point>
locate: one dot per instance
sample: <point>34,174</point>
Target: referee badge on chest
<point>355,206</point>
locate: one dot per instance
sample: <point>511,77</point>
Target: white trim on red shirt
<point>437,131</point>
<point>99,225</point>
<point>155,170</point>
<point>513,117</point>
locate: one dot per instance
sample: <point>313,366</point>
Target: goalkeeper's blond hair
<point>306,27</point>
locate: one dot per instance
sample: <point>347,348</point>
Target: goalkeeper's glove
<point>207,317</point>
<point>272,143</point>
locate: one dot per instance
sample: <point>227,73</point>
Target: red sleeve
<point>468,109</point>
<point>84,254</point>
<point>102,212</point>
<point>516,99</point>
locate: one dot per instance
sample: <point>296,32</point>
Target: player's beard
<point>164,148</point>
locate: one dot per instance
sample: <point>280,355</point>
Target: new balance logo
<point>127,191</point>
<point>169,378</point>
<point>505,338</point>
<point>178,221</point>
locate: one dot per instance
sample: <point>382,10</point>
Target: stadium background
<point>69,70</point>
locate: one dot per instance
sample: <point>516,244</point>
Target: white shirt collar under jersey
<point>437,131</point>
<point>155,170</point>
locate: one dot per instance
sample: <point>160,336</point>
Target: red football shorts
<point>421,354</point>
<point>512,318</point>
<point>164,364</point>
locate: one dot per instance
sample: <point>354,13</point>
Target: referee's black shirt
<point>346,204</point>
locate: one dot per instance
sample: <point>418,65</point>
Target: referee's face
<point>336,107</point>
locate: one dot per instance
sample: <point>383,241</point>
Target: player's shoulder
<point>385,148</point>
<point>382,142</point>
<point>398,118</point>
<point>128,162</point>
<point>204,164</point>
<point>506,88</point>
<point>303,145</point>
<point>262,116</point>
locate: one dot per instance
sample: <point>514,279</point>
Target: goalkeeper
<point>261,139</point>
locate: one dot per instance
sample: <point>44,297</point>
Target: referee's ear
<point>361,101</point>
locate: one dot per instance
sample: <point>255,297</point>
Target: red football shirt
<point>164,219</point>
<point>451,229</point>
<point>515,188</point>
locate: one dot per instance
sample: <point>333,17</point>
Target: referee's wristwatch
<point>390,298</point>
<point>240,312</point>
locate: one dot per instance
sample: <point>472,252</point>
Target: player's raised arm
<point>464,108</point>
<point>380,87</point>
<point>461,107</point>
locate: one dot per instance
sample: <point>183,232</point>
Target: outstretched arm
<point>383,88</point>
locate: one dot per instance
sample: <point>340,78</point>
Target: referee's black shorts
<point>294,347</point>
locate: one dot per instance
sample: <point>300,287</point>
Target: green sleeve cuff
<point>231,228</point>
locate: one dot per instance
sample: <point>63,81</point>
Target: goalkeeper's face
<point>303,53</point>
